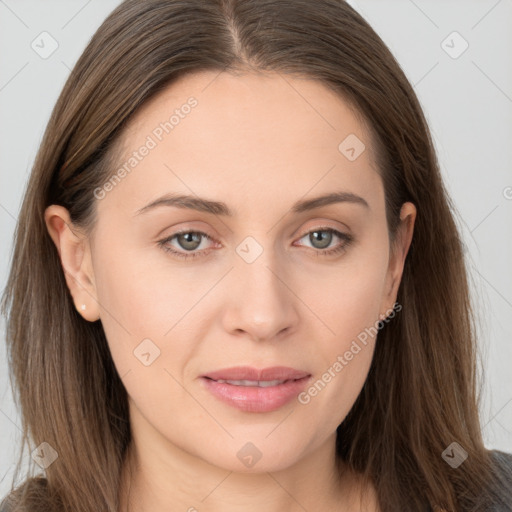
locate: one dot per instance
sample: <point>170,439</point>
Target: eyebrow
<point>219,208</point>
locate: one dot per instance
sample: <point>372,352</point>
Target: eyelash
<point>320,252</point>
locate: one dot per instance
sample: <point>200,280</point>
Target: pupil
<point>189,239</point>
<point>323,236</point>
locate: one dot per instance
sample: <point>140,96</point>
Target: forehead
<point>250,103</point>
<point>211,133</point>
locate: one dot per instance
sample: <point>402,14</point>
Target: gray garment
<point>497,498</point>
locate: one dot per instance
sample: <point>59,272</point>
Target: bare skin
<point>257,145</point>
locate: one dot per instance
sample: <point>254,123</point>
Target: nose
<point>261,304</point>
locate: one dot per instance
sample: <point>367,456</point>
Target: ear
<point>399,250</point>
<point>75,256</point>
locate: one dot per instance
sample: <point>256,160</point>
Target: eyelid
<point>322,227</point>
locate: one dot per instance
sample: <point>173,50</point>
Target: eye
<point>190,241</point>
<point>187,240</point>
<point>321,239</point>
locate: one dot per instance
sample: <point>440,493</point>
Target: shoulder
<point>502,465</point>
<point>499,491</point>
<point>503,459</point>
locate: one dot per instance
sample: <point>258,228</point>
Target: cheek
<point>346,359</point>
<point>144,288</point>
<point>348,297</point>
<point>141,310</point>
<point>350,306</point>
<point>141,319</point>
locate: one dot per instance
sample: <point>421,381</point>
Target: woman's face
<point>266,277</point>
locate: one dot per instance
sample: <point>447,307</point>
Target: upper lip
<point>255,374</point>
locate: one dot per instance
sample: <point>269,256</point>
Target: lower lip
<point>255,398</point>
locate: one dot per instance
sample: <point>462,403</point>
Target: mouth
<point>253,383</point>
<point>250,374</point>
<point>252,390</point>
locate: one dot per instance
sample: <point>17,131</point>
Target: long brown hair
<point>421,391</point>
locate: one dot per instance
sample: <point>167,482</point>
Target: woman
<point>237,282</point>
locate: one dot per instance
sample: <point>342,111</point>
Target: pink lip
<point>250,373</point>
<point>254,398</point>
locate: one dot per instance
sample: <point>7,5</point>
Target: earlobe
<point>74,252</point>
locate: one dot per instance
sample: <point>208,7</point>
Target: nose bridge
<point>261,303</point>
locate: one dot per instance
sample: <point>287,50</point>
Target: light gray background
<point>467,100</point>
